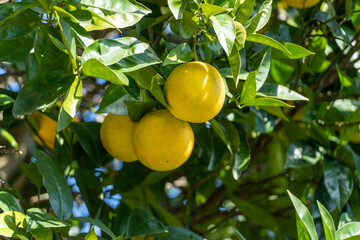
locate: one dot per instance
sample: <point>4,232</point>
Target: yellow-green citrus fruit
<point>301,3</point>
<point>195,92</point>
<point>47,130</point>
<point>163,142</point>
<point>116,136</point>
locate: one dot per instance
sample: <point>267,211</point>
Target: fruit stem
<point>194,48</point>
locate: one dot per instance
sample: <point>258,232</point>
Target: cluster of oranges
<point>163,139</point>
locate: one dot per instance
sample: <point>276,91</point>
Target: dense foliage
<point>280,161</point>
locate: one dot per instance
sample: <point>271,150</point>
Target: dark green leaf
<point>263,70</point>
<point>36,218</point>
<point>32,172</point>
<point>260,19</point>
<point>177,233</point>
<point>338,181</point>
<point>96,223</point>
<point>81,35</point>
<point>242,157</point>
<point>225,31</point>
<point>53,179</point>
<point>221,132</point>
<point>137,109</point>
<point>42,92</point>
<point>235,64</point>
<point>304,216</point>
<point>113,101</point>
<point>244,11</point>
<point>296,51</point>
<point>11,52</point>
<point>258,38</point>
<point>9,203</point>
<point>177,7</point>
<point>301,154</point>
<point>142,223</point>
<point>181,54</point>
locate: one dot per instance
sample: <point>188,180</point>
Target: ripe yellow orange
<point>195,92</point>
<point>46,132</point>
<point>301,3</point>
<point>163,142</point>
<point>116,136</point>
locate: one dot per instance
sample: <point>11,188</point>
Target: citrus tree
<point>180,119</point>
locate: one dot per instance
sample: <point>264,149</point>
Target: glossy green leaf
<point>68,38</point>
<point>5,101</point>
<point>270,102</point>
<point>121,14</point>
<point>338,181</point>
<point>91,235</point>
<point>113,101</point>
<point>95,68</point>
<point>142,223</point>
<point>210,10</point>
<point>95,222</point>
<point>260,19</point>
<point>81,35</point>
<point>177,7</point>
<point>350,231</point>
<point>240,35</point>
<point>157,92</point>
<point>301,154</point>
<point>70,105</point>
<point>9,203</point>
<point>249,89</point>
<point>296,51</point>
<point>280,92</point>
<point>188,25</point>
<point>137,109</point>
<point>42,92</point>
<point>242,157</point>
<point>263,69</point>
<point>225,31</point>
<point>36,218</point>
<point>303,216</point>
<point>177,233</point>
<point>328,222</point>
<point>221,132</point>
<point>258,38</point>
<point>181,54</point>
<point>53,179</point>
<point>32,172</point>
<point>235,64</point>
<point>244,11</point>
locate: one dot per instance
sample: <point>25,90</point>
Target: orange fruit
<point>195,92</point>
<point>163,142</point>
<point>46,130</point>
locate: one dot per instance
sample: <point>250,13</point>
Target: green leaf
<point>304,217</point>
<point>9,203</point>
<point>12,224</point>
<point>91,235</point>
<point>11,52</point>
<point>221,132</point>
<point>225,31</point>
<point>259,38</point>
<point>276,111</point>
<point>257,214</point>
<point>89,139</point>
<point>249,89</point>
<point>96,223</point>
<point>267,102</point>
<point>177,233</point>
<point>260,19</point>
<point>235,64</point>
<point>177,7</point>
<point>32,172</point>
<point>338,181</point>
<point>81,35</point>
<point>181,54</point>
<point>301,154</point>
<point>5,101</point>
<point>188,24</point>
<point>120,14</point>
<point>42,92</point>
<point>350,231</point>
<point>240,35</point>
<point>36,219</point>
<point>345,80</point>
<point>137,109</point>
<point>68,38</point>
<point>242,157</point>
<point>238,234</point>
<point>210,10</point>
<point>244,11</point>
<point>296,51</point>
<point>280,92</point>
<point>70,104</point>
<point>95,68</point>
<point>143,223</point>
<point>328,222</point>
<point>263,70</point>
<point>9,138</point>
<point>42,233</point>
<point>53,178</point>
<point>113,101</point>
